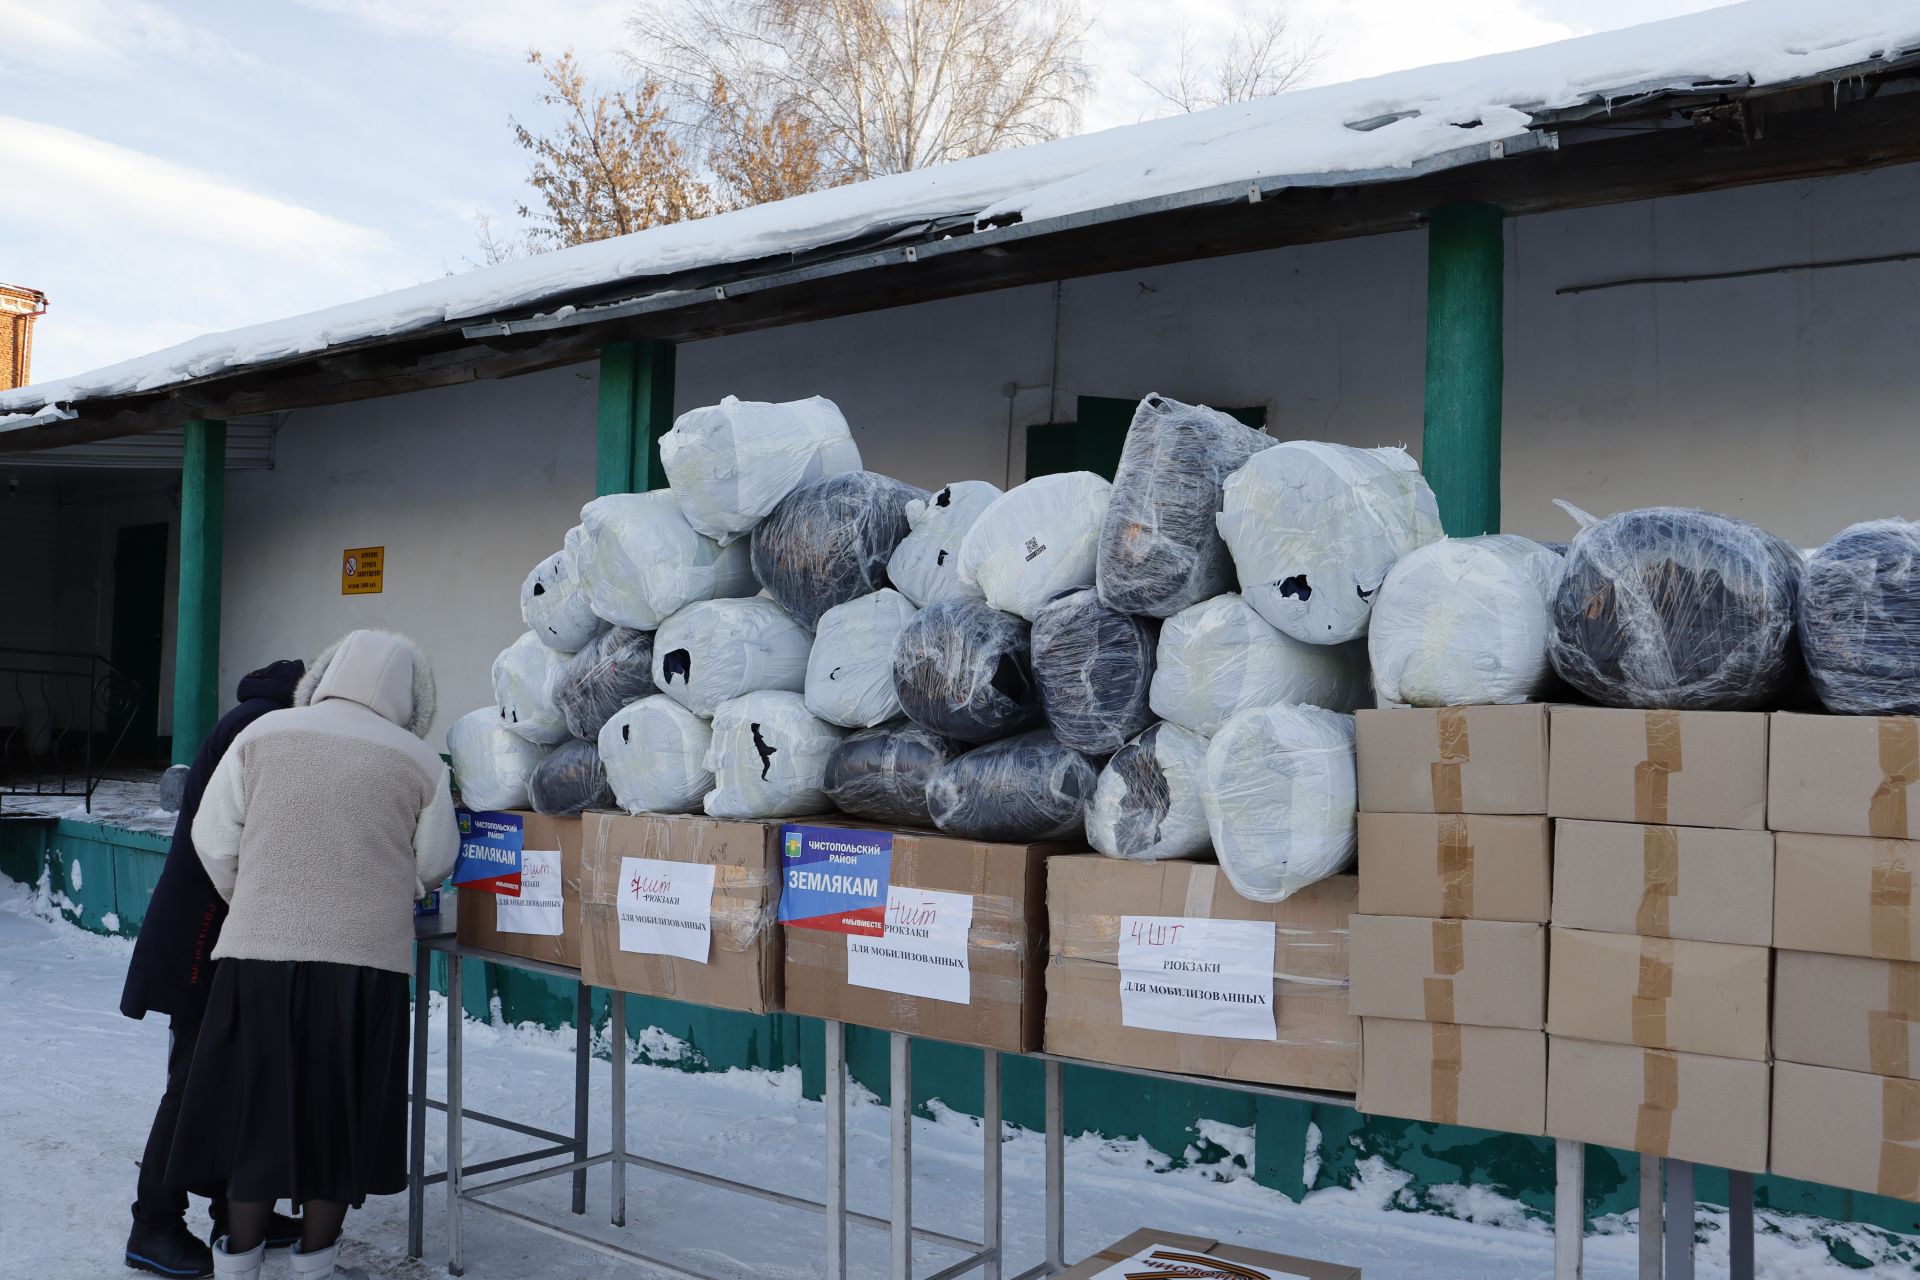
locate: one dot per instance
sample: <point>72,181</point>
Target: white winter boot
<point>320,1266</point>
<point>237,1266</point>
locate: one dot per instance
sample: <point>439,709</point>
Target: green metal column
<point>1465,364</point>
<point>196,650</point>
<point>636,409</point>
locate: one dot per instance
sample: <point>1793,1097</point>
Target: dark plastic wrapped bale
<point>829,541</point>
<point>965,670</point>
<point>1150,803</point>
<point>570,780</point>
<point>1673,608</point>
<point>1860,619</point>
<point>1020,790</point>
<point>613,670</point>
<point>1160,550</point>
<point>881,774</point>
<point>1094,667</point>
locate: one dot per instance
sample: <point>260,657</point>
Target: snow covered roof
<point>1372,130</point>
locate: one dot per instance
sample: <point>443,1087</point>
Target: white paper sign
<point>1181,1264</point>
<point>537,909</point>
<point>924,949</point>
<point>666,908</point>
<point>1198,977</point>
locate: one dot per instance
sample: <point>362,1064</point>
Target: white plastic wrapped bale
<point>555,603</point>
<point>965,670</point>
<point>1281,799</point>
<point>1093,666</point>
<point>1859,617</point>
<point>1314,528</point>
<point>925,567</point>
<point>490,763</point>
<point>1220,657</point>
<point>769,757</point>
<point>570,780</point>
<point>1023,790</point>
<point>882,773</point>
<point>828,541</point>
<point>1036,540</point>
<point>720,649</point>
<point>614,669</point>
<point>1464,621</point>
<point>1150,802</point>
<point>1672,608</point>
<point>643,562</point>
<point>729,463</point>
<point>1160,550</point>
<point>850,669</point>
<point>655,752</point>
<point>524,678</point>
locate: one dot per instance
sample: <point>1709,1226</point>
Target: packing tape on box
<point>1450,724</point>
<point>1651,993</point>
<point>1444,1074</point>
<point>999,925</point>
<point>1652,775</point>
<point>1899,1139</point>
<point>1453,859</point>
<point>1899,770</point>
<point>1890,904</point>
<point>1890,1030</point>
<point>745,902</point>
<point>1659,880</point>
<point>1659,1095</point>
<point>1449,958</point>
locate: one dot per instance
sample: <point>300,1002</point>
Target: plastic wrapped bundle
<point>570,780</point>
<point>643,562</point>
<point>1021,790</point>
<point>1150,802</point>
<point>554,601</point>
<point>925,567</point>
<point>828,541</point>
<point>1860,619</point>
<point>966,671</point>
<point>615,669</point>
<point>1314,528</point>
<point>1159,548</point>
<point>1465,621</point>
<point>1280,799</point>
<point>1036,540</point>
<point>525,676</point>
<point>1673,608</point>
<point>490,763</point>
<point>881,774</point>
<point>1220,657</point>
<point>729,463</point>
<point>769,757</point>
<point>720,649</point>
<point>655,753</point>
<point>850,670</point>
<point>1093,667</point>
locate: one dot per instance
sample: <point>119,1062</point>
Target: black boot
<point>168,1249</point>
<point>282,1232</point>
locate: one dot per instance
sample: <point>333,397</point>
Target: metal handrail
<point>69,711</point>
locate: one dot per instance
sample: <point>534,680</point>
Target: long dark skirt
<point>298,1089</point>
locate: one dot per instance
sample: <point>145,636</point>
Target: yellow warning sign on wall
<point>360,569</point>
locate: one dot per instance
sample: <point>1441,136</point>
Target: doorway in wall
<point>139,629</point>
<point>1092,442</point>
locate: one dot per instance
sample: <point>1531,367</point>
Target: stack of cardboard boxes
<point>1449,955</point>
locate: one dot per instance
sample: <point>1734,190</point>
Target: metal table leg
<point>582,1060</point>
<point>1056,1177</point>
<point>990,1165</point>
<point>1739,1226</point>
<point>1679,1220</point>
<point>618,1165</point>
<point>417,1107</point>
<point>456,1156</point>
<point>836,1107</point>
<point>1650,1231</point>
<point>901,1230</point>
<point>1569,1208</point>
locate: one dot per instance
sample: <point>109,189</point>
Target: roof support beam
<point>1466,257</point>
<point>636,409</point>
<point>196,651</point>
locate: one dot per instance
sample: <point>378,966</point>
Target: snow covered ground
<point>131,802</point>
<point>82,1081</point>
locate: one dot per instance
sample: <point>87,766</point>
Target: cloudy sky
<point>174,168</point>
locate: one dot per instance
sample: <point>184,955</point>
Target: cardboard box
<point>1845,895</point>
<point>1482,973</point>
<point>497,923</point>
<point>1847,1012</point>
<point>1453,759</point>
<point>1456,866</point>
<point>1665,882</point>
<point>1659,993</point>
<point>1675,768</point>
<point>1847,1129</point>
<point>1190,1255</point>
<point>1444,1073</point>
<point>1005,949</point>
<point>1688,1106</point>
<point>1110,920</point>
<point>726,933</point>
<point>1845,775</point>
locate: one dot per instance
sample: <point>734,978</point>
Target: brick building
<point>19,308</point>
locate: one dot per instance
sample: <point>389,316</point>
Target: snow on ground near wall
<point>83,1081</point>
<point>130,803</point>
<point>1307,132</point>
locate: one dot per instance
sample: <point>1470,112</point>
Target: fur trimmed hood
<point>365,667</point>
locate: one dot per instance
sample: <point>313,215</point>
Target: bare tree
<point>1262,57</point>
